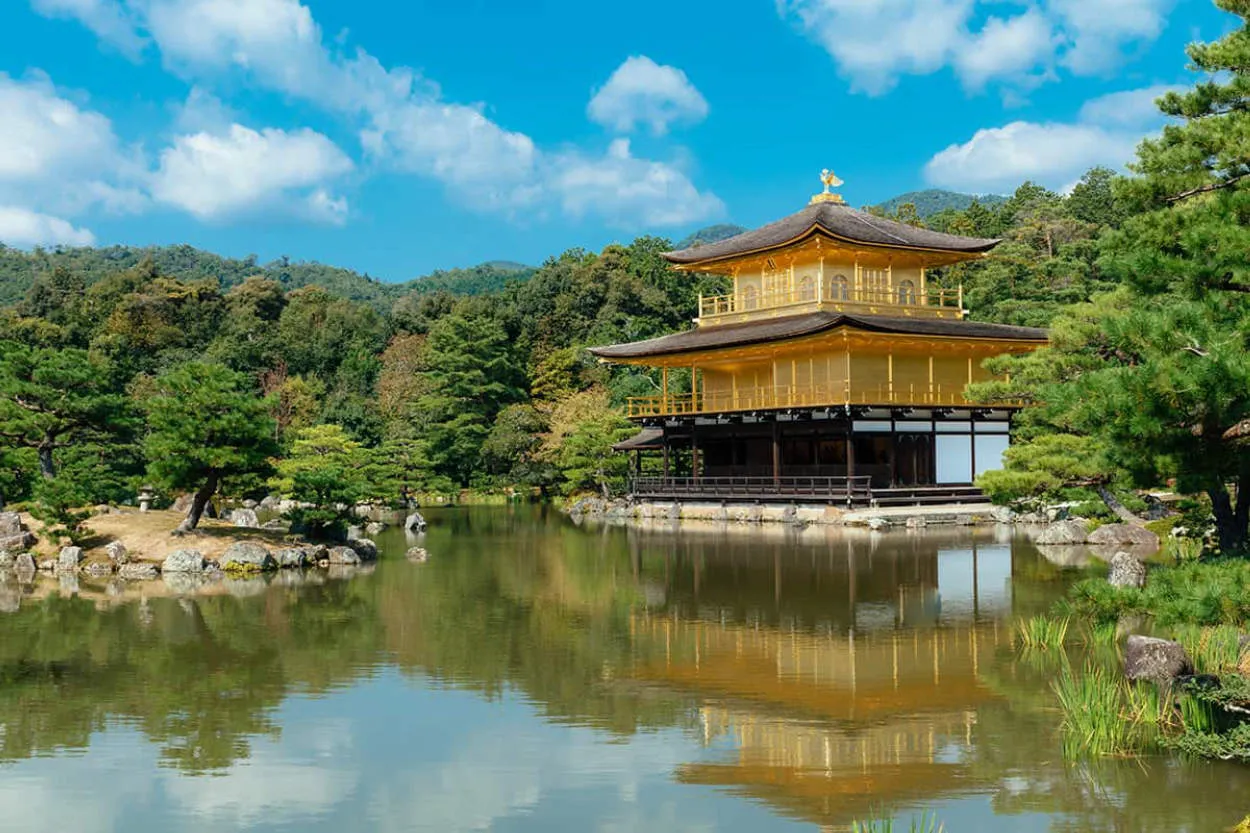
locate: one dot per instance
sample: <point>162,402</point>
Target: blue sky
<point>400,137</point>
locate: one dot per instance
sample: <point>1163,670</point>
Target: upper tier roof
<point>838,221</point>
<point>795,326</point>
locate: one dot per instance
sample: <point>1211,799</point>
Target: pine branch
<point>1206,189</point>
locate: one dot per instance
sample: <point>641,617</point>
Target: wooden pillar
<point>893,452</point>
<point>776,452</point>
<point>850,456</point>
<point>664,390</point>
<point>666,458</point>
<point>694,452</point>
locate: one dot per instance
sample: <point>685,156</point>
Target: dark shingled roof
<point>793,326</point>
<point>838,221</point>
<point>645,439</point>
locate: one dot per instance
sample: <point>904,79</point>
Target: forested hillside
<point>19,269</point>
<point>935,200</point>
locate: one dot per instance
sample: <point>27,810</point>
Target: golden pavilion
<point>833,370</point>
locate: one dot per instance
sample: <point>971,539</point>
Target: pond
<point>536,675</point>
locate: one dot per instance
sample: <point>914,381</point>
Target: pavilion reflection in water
<point>850,681</point>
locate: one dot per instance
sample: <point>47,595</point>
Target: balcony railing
<point>851,489</point>
<point>806,396</point>
<point>838,297</point>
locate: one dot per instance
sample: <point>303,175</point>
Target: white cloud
<point>1011,47</point>
<point>1055,154</point>
<point>242,170</point>
<point>641,91</point>
<point>108,19</point>
<point>1099,30</point>
<point>22,227</point>
<point>875,42</point>
<point>624,189</point>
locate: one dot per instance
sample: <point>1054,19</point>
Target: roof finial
<point>830,180</point>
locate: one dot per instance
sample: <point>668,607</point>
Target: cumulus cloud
<point>1052,153</point>
<point>623,189</point>
<point>641,91</point>
<point>108,19</point>
<point>404,121</point>
<point>212,176</point>
<point>22,227</point>
<point>876,43</point>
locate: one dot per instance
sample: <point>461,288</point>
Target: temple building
<point>832,370</point>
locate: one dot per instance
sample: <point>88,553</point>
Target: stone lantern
<point>147,494</point>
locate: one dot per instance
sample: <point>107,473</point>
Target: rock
<point>138,571</point>
<point>10,524</point>
<point>1063,532</point>
<point>184,561</point>
<point>318,553</point>
<point>1056,513</point>
<point>117,553</point>
<point>247,557</point>
<point>1157,660</point>
<point>366,549</point>
<point>1127,571</point>
<point>1002,515</point>
<point>374,527</point>
<point>69,559</point>
<point>68,583</point>
<point>341,556</point>
<point>10,600</point>
<point>271,503</point>
<point>24,563</point>
<point>917,522</point>
<point>245,518</point>
<point>790,515</point>
<point>417,555</point>
<point>250,504</point>
<point>182,503</point>
<point>877,524</point>
<point>1124,535</point>
<point>6,560</point>
<point>274,524</point>
<point>99,569</point>
<point>16,542</point>
<point>414,522</point>
<point>292,558</point>
<point>47,565</point>
<point>354,533</point>
<point>965,520</point>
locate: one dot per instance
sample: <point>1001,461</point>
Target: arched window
<point>840,288</point>
<point>907,293</point>
<point>807,288</point>
<point>750,298</point>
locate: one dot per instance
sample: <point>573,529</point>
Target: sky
<point>400,137</point>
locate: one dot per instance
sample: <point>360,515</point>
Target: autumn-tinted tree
<point>326,473</point>
<point>205,423</point>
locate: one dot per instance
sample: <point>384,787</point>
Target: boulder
<point>16,542</point>
<point>414,522</point>
<point>138,571</point>
<point>99,569</point>
<point>1157,660</point>
<point>6,560</point>
<point>24,563</point>
<point>1063,533</point>
<point>417,555</point>
<point>1124,535</point>
<point>47,565</point>
<point>69,559</point>
<point>250,504</point>
<point>1002,515</point>
<point>341,556</point>
<point>354,533</point>
<point>10,524</point>
<point>292,558</point>
<point>1126,571</point>
<point>366,549</point>
<point>271,503</point>
<point>878,524</point>
<point>247,557</point>
<point>318,553</point>
<point>117,553</point>
<point>917,522</point>
<point>245,518</point>
<point>374,527</point>
<point>275,524</point>
<point>184,561</point>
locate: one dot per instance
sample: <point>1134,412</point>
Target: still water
<point>534,675</point>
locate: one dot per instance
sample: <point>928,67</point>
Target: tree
<point>472,375</point>
<point>511,450</point>
<point>584,427</point>
<point>327,474</point>
<point>1093,199</point>
<point>205,423</point>
<point>51,399</point>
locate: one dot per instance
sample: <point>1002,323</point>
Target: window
<point>750,298</point>
<point>907,293</point>
<point>807,288</point>
<point>839,288</point>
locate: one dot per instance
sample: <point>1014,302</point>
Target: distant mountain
<point>19,268</point>
<point>710,234</point>
<point>936,200</point>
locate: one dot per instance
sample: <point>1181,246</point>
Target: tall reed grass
<point>1106,715</point>
<point>926,823</point>
<point>1042,633</point>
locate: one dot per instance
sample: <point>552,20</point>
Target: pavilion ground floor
<point>853,455</point>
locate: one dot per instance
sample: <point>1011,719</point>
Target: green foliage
<point>1106,715</point>
<point>1043,633</point>
<point>1192,593</point>
<point>58,503</point>
<point>206,423</point>
<point>326,472</point>
<point>710,234</point>
<point>933,201</point>
<point>926,823</point>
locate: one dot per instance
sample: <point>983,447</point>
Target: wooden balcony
<point>903,300</point>
<point>841,489</point>
<point>814,396</point>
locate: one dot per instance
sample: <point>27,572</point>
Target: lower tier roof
<point>794,326</point>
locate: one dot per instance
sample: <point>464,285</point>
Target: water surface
<point>535,675</point>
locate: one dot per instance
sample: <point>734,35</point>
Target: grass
<point>1105,715</point>
<point>1214,650</point>
<point>1044,633</point>
<point>924,824</point>
<point>1206,593</point>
